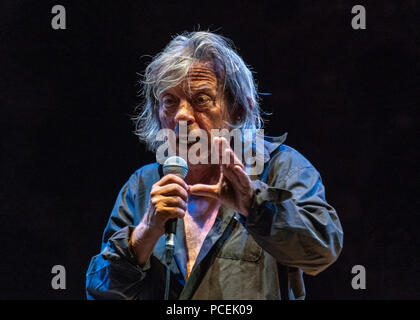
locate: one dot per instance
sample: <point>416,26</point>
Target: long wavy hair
<point>169,67</point>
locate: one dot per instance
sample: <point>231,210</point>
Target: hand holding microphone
<point>168,202</point>
<point>169,196</point>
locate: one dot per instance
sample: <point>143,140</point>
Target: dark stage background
<point>346,97</point>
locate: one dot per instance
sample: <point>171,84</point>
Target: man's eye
<point>202,99</point>
<point>168,101</point>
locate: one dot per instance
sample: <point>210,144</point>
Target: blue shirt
<point>290,224</point>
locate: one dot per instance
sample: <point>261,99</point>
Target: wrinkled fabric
<point>290,224</point>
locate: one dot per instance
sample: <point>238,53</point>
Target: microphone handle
<point>170,231</point>
<point>170,226</point>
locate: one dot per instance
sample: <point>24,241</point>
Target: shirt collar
<point>271,144</point>
<point>260,152</point>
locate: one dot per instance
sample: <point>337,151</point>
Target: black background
<point>346,97</point>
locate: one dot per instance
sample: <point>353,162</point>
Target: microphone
<point>179,167</point>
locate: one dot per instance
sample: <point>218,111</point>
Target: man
<point>240,235</point>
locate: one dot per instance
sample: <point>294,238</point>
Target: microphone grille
<point>175,165</point>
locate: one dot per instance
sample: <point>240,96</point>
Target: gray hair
<point>169,67</point>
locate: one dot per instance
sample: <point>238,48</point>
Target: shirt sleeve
<point>114,273</point>
<point>293,222</point>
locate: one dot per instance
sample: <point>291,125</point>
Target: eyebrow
<point>192,89</point>
<point>203,87</point>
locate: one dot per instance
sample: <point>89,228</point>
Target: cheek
<point>166,121</point>
<point>208,121</point>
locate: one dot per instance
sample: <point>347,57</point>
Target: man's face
<point>198,100</point>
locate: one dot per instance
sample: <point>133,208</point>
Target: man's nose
<point>185,112</point>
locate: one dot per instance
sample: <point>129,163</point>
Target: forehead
<point>200,74</point>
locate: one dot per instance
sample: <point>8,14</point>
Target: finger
<point>242,176</point>
<point>171,190</point>
<point>221,176</point>
<point>172,212</point>
<point>231,176</point>
<point>171,178</point>
<point>233,158</point>
<point>226,154</point>
<point>174,201</point>
<point>223,145</point>
<point>212,191</point>
<point>217,147</point>
<point>237,178</point>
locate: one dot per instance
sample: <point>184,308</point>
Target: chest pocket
<point>241,246</point>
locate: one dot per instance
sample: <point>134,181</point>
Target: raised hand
<point>234,188</point>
